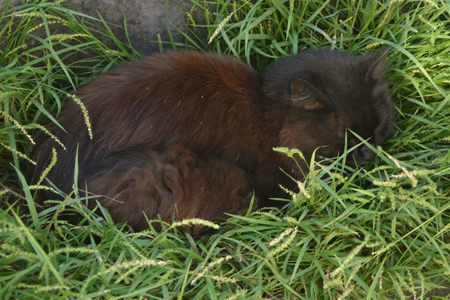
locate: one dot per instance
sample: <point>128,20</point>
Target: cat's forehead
<point>327,66</point>
<point>342,78</point>
<point>327,56</point>
<point>337,74</point>
<point>350,83</point>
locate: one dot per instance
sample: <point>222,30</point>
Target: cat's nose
<point>364,153</point>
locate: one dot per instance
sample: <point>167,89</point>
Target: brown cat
<point>221,110</point>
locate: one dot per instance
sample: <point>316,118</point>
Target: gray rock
<point>144,19</point>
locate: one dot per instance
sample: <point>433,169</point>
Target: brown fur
<point>222,113</point>
<point>172,184</point>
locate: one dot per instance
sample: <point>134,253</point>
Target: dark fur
<point>225,114</point>
<point>172,183</point>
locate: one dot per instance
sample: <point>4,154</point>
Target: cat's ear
<point>305,95</point>
<point>377,61</point>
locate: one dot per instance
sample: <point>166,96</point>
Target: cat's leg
<point>213,188</point>
<point>135,185</point>
<point>171,184</point>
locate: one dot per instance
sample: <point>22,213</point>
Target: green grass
<point>379,232</point>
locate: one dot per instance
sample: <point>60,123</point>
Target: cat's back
<point>177,97</point>
<point>171,75</point>
<point>206,102</point>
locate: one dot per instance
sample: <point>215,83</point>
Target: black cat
<point>218,109</point>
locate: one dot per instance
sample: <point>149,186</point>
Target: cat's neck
<point>273,164</point>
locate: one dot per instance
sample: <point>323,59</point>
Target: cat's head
<point>327,96</point>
